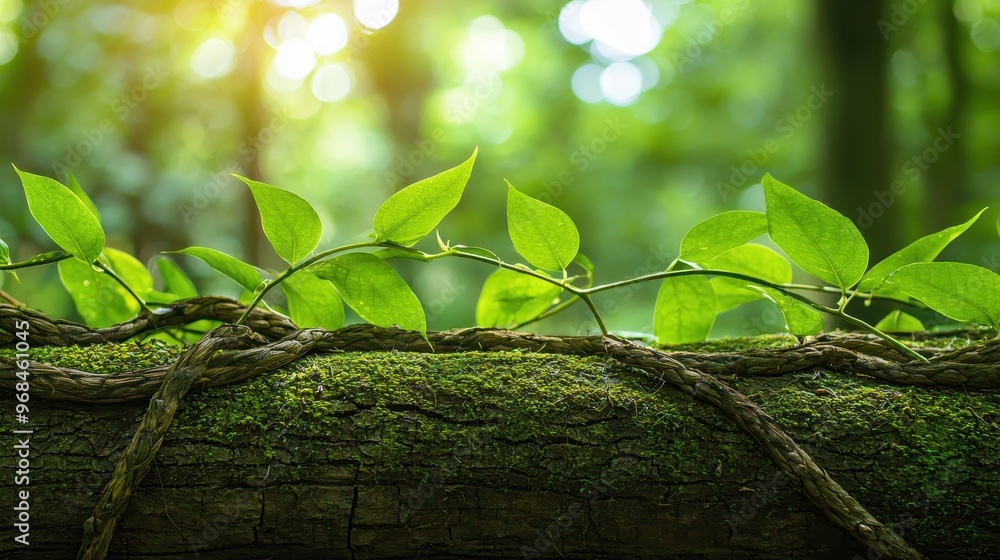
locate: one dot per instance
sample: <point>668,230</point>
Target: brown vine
<point>248,354</point>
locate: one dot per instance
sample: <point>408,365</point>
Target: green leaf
<point>963,292</point>
<point>4,253</point>
<point>816,237</point>
<point>4,260</point>
<point>897,321</point>
<point>800,319</point>
<point>73,185</point>
<point>479,251</point>
<point>685,310</point>
<point>244,274</point>
<point>374,290</point>
<point>312,301</point>
<point>63,216</point>
<point>544,235</point>
<point>721,233</point>
<point>510,298</point>
<point>130,270</point>
<point>750,259</point>
<point>289,222</point>
<point>413,212</point>
<point>175,281</point>
<point>925,249</point>
<point>99,300</point>
<point>396,253</point>
<point>585,264</point>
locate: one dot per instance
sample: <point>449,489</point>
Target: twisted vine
<point>269,341</point>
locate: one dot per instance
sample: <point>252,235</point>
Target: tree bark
<point>507,454</point>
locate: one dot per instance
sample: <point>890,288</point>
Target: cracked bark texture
<point>513,454</point>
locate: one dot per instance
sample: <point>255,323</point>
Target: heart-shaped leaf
<point>721,233</point>
<point>374,290</point>
<point>4,253</point>
<point>74,185</point>
<point>289,222</point>
<point>413,212</point>
<point>544,235</point>
<point>963,292</point>
<point>925,249</point>
<point>63,216</point>
<point>897,321</point>
<point>312,301</point>
<point>99,300</point>
<point>685,310</point>
<point>175,281</point>
<point>816,237</point>
<point>130,271</point>
<point>800,319</point>
<point>510,298</point>
<point>244,274</point>
<point>750,259</point>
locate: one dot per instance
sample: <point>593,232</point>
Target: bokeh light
<point>621,83</point>
<point>332,82</point>
<point>327,34</point>
<point>586,82</point>
<point>375,14</point>
<point>618,32</point>
<point>294,59</point>
<point>213,58</point>
<point>626,28</point>
<point>490,43</point>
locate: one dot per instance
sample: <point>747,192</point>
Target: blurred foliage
<point>639,119</point>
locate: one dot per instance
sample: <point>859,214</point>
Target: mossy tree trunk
<point>508,454</point>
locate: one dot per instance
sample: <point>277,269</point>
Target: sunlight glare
<point>213,58</point>
<point>621,83</point>
<point>294,59</point>
<point>570,25</point>
<point>327,34</point>
<point>490,42</point>
<point>375,14</point>
<point>292,26</point>
<point>332,82</point>
<point>627,27</point>
<point>294,3</point>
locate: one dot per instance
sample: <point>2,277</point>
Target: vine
<point>719,266</point>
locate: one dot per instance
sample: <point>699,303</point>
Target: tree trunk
<point>505,454</point>
<point>857,139</point>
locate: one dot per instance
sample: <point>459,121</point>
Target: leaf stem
<point>295,268</point>
<point>895,343</point>
<point>560,307</point>
<point>111,273</point>
<point>29,263</point>
<point>779,287</point>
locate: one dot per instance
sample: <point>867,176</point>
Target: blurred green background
<point>639,118</point>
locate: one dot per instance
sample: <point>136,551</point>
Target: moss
<point>736,344</point>
<point>103,358</point>
<point>916,452</point>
